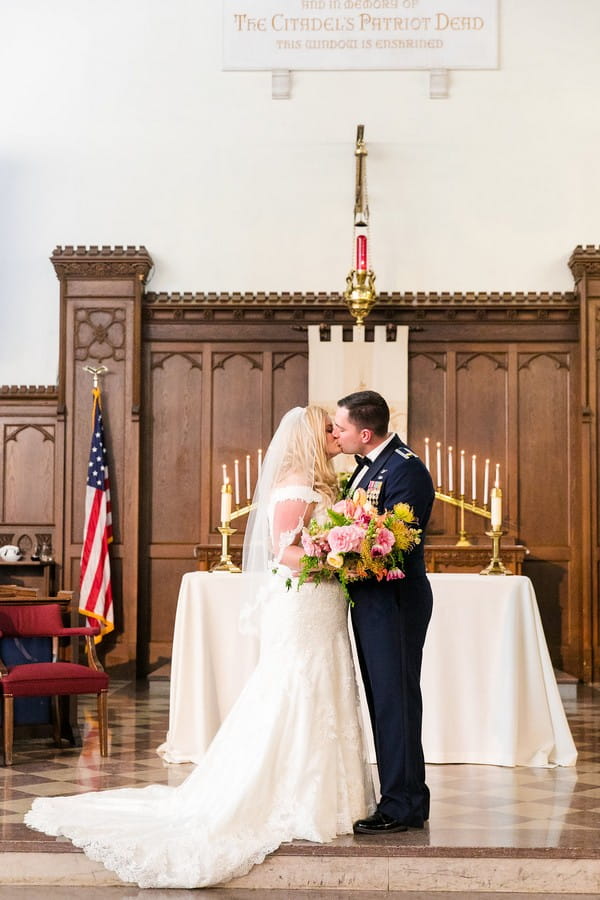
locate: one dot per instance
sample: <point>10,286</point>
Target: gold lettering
<point>458,23</point>
<point>368,22</point>
<point>243,22</point>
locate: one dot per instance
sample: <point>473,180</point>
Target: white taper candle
<point>236,475</point>
<point>248,494</point>
<point>486,482</point>
<point>226,502</point>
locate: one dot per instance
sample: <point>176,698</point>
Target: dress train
<point>289,762</point>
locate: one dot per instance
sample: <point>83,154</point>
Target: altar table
<point>489,691</point>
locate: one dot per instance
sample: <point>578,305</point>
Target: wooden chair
<point>49,679</point>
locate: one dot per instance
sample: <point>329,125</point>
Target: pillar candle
<point>486,482</point>
<point>226,502</point>
<point>438,460</point>
<point>474,477</point>
<point>236,472</point>
<point>248,494</point>
<point>450,471</point>
<point>496,509</point>
<point>462,473</point>
<point>427,452</point>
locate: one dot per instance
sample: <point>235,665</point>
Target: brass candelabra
<point>495,565</point>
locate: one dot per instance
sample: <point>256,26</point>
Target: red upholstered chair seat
<point>49,679</point>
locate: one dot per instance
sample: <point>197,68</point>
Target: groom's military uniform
<point>390,620</point>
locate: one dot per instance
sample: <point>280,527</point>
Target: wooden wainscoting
<point>197,380</point>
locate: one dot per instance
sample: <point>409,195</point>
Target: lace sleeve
<point>287,514</point>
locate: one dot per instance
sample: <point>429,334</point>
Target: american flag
<point>95,592</point>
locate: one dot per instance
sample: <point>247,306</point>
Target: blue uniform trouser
<point>390,622</point>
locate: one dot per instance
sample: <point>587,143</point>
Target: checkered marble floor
<point>502,809</point>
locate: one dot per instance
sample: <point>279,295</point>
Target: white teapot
<point>10,553</point>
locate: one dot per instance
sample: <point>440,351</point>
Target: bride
<point>289,761</point>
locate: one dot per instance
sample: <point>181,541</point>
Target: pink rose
<point>311,547</point>
<point>384,542</point>
<point>345,538</point>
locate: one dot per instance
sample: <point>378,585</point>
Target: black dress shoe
<point>378,823</point>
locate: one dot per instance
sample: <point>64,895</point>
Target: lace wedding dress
<point>289,761</point>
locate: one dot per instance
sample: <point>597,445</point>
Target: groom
<point>390,618</point>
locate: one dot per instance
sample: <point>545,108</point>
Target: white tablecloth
<point>489,691</point>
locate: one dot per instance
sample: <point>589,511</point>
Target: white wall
<point>119,127</point>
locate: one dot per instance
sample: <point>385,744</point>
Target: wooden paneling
<point>290,382</point>
<point>100,290</point>
<point>205,404</point>
<point>198,380</point>
<point>515,404</point>
<point>31,476</point>
<point>28,489</point>
<point>165,577</point>
<point>172,475</point>
<point>545,472</point>
<point>239,381</point>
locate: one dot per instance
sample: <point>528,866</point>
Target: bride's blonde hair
<point>306,453</point>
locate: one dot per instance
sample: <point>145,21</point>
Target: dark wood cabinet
<point>30,573</point>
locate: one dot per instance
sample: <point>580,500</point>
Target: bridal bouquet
<point>357,542</point>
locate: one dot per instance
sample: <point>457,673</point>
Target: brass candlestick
<point>225,564</point>
<point>495,565</point>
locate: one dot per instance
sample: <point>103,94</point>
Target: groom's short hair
<point>367,409</point>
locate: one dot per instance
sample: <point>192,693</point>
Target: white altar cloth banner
<point>360,34</point>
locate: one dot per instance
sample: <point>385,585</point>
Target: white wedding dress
<point>289,761</point>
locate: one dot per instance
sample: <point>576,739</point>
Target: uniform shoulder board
<point>405,453</point>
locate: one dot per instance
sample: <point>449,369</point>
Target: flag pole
<point>96,372</point>
<point>95,590</point>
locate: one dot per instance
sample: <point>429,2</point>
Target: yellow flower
<point>335,560</point>
<point>404,512</point>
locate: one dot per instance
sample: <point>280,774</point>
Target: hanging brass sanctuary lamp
<point>360,282</point>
